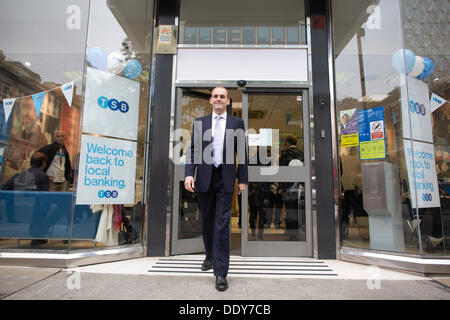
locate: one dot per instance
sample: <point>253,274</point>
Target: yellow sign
<point>350,140</point>
<point>372,149</point>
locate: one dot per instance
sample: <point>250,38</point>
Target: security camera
<point>242,83</point>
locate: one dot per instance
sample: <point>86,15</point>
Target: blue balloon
<point>428,70</point>
<point>133,69</point>
<point>97,58</point>
<point>403,61</point>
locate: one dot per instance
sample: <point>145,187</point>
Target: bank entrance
<point>273,216</point>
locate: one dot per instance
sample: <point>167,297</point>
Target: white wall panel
<point>194,64</point>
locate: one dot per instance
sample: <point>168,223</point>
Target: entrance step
<point>246,266</point>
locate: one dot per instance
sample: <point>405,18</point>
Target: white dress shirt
<point>222,124</point>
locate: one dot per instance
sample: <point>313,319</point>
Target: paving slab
<point>13,279</point>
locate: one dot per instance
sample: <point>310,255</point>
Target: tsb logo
<point>108,194</point>
<point>438,100</point>
<point>67,87</point>
<point>113,104</point>
<point>427,197</point>
<point>415,107</point>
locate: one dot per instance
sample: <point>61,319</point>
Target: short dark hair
<point>291,140</point>
<point>38,159</point>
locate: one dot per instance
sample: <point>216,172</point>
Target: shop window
<point>393,125</point>
<point>60,161</point>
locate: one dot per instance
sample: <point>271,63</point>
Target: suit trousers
<point>215,212</point>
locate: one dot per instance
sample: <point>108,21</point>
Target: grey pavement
<point>131,280</point>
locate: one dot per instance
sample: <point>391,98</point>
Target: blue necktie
<point>217,147</point>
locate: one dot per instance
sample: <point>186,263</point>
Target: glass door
<point>276,206</point>
<point>186,225</point>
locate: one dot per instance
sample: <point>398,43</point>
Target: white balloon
<point>418,67</point>
<point>116,62</point>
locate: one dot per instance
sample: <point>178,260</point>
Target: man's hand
<point>189,184</point>
<point>241,187</point>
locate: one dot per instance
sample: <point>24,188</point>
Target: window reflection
<point>189,225</point>
<point>276,211</point>
<point>272,117</point>
<point>48,57</point>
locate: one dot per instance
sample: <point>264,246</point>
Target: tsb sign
<point>415,107</point>
<point>113,104</point>
<point>107,194</point>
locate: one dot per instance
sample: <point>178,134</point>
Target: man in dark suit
<point>215,166</point>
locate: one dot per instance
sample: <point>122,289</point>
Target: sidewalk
<point>178,278</point>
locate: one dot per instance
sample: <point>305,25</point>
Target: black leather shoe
<point>207,265</point>
<point>221,283</point>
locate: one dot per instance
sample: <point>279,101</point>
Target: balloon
<point>97,58</point>
<point>418,67</point>
<point>116,62</point>
<point>428,70</point>
<point>133,69</point>
<point>403,60</point>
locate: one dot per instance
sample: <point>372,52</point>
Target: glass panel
<point>40,54</point>
<point>388,123</point>
<point>277,35</point>
<point>220,35</point>
<point>292,35</point>
<point>237,14</point>
<point>271,117</point>
<point>248,35</point>
<point>425,29</point>
<point>234,35</point>
<point>48,55</point>
<point>276,211</point>
<point>195,104</point>
<point>190,35</point>
<point>204,35</point>
<point>189,225</point>
<point>193,107</point>
<point>263,35</point>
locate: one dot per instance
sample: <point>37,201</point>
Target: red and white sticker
<point>299,98</point>
<point>377,130</point>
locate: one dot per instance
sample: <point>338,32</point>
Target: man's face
<point>60,137</point>
<point>219,100</point>
<point>29,116</point>
<point>344,119</point>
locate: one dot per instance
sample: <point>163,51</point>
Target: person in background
<point>58,166</point>
<point>33,179</point>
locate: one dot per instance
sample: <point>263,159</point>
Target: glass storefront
<point>75,97</point>
<point>391,77</point>
<point>74,90</point>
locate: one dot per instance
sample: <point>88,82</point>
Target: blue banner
<point>38,99</point>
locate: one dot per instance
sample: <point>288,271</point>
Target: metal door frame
<point>302,174</point>
<point>180,246</point>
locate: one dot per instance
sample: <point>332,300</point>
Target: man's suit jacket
<point>195,159</point>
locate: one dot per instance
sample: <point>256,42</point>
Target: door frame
<point>181,246</point>
<point>302,174</point>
